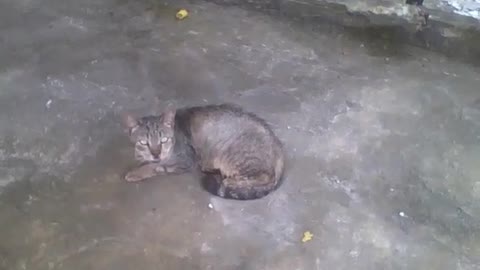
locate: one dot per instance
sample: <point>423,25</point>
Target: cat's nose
<point>155,153</point>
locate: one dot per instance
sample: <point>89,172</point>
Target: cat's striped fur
<point>238,153</point>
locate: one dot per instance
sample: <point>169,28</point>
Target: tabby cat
<point>237,153</point>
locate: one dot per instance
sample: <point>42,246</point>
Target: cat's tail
<point>244,188</point>
<point>237,189</point>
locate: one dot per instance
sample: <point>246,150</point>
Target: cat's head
<point>153,136</point>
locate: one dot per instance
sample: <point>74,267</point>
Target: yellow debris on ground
<point>182,14</point>
<point>307,236</point>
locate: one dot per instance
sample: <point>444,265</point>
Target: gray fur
<point>239,154</point>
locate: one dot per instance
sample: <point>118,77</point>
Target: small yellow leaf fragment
<point>307,236</point>
<point>181,14</point>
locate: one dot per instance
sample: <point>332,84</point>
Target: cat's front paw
<point>133,177</point>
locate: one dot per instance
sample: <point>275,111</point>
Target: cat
<point>236,152</point>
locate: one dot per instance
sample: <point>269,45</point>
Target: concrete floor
<point>383,142</point>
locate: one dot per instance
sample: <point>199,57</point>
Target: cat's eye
<point>143,142</point>
<point>164,139</point>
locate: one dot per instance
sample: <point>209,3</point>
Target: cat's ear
<point>169,116</point>
<point>129,121</point>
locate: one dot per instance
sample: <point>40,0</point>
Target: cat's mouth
<point>147,159</point>
<point>153,159</point>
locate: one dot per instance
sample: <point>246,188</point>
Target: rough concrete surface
<point>450,27</point>
<point>382,142</point>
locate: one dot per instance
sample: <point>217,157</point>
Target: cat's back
<point>240,145</point>
<point>226,122</point>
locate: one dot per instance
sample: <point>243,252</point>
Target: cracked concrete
<point>382,142</point>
